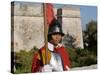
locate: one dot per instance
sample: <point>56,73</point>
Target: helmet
<point>55,27</point>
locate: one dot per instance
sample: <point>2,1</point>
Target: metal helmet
<point>55,27</point>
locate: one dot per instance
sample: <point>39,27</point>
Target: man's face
<point>56,38</point>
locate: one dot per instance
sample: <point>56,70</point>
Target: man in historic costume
<point>57,55</point>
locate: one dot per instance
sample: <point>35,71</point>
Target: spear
<point>45,32</point>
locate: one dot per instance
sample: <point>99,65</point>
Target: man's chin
<point>56,44</point>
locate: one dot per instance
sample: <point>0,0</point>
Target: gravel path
<point>85,67</point>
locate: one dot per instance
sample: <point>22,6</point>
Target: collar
<point>51,46</point>
<point>59,45</point>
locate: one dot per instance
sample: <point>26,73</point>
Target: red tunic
<point>37,63</point>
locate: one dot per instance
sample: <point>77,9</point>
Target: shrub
<point>23,60</point>
<point>72,54</point>
<point>82,57</point>
<point>87,60</point>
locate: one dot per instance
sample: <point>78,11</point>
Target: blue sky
<point>88,13</point>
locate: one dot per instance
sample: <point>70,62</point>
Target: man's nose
<point>57,37</point>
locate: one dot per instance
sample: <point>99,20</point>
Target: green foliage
<point>90,36</point>
<point>88,55</point>
<point>72,54</point>
<point>91,27</point>
<point>73,57</point>
<point>79,57</point>
<point>87,60</point>
<point>23,60</point>
<point>82,57</point>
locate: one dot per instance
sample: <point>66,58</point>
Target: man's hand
<point>47,68</point>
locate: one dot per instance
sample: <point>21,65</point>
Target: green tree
<point>91,27</point>
<point>90,36</point>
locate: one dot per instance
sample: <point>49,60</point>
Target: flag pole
<point>45,32</point>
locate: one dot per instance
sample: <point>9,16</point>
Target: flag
<point>49,13</point>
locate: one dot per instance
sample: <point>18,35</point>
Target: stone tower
<point>71,25</point>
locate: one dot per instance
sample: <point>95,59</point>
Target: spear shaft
<point>45,32</point>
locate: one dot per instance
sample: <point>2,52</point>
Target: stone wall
<point>28,27</point>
